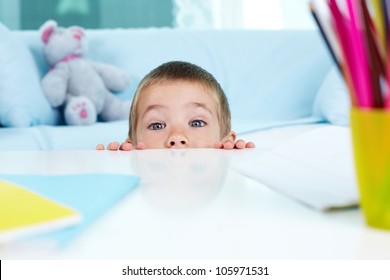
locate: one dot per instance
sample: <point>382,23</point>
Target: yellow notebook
<point>23,212</point>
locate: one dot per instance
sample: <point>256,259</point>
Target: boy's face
<point>177,114</point>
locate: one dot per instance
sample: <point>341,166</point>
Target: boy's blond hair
<point>182,71</point>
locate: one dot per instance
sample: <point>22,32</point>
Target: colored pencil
<point>362,32</point>
<point>373,57</point>
<point>350,69</point>
<point>358,48</point>
<point>379,22</point>
<point>331,46</point>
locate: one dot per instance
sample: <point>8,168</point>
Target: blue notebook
<point>90,194</point>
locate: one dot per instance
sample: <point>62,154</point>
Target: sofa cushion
<point>271,78</point>
<point>22,102</point>
<point>332,101</point>
<point>266,74</point>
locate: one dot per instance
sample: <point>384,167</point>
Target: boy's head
<point>178,105</point>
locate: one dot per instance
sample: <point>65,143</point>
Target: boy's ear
<point>231,137</point>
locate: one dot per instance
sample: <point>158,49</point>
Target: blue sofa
<point>271,78</point>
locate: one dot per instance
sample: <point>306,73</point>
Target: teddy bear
<point>84,87</point>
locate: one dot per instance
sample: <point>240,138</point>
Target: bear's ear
<point>47,29</point>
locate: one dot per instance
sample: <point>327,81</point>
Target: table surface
<point>192,205</point>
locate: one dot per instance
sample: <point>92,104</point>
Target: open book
<point>23,212</point>
<point>315,168</point>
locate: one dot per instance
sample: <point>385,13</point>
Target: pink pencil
<point>342,24</point>
<point>364,94</point>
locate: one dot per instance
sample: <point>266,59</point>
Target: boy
<point>179,105</point>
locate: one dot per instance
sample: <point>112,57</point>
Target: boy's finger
<point>113,146</point>
<point>228,145</point>
<point>240,144</point>
<point>100,147</point>
<point>126,146</point>
<point>250,145</point>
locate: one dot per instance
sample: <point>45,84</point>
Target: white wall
<point>248,14</point>
<point>10,13</point>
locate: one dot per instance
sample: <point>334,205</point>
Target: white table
<point>192,205</point>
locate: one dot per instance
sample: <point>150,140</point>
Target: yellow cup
<point>371,145</point>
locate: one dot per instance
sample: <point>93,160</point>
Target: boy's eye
<point>197,123</point>
<point>157,126</point>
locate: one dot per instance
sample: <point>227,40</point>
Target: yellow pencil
<point>380,24</point>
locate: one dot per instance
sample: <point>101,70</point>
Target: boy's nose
<point>177,141</point>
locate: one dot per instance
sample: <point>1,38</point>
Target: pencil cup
<point>371,145</point>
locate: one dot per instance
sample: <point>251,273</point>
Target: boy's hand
<point>113,146</point>
<point>128,146</point>
<point>125,146</point>
<point>229,145</point>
